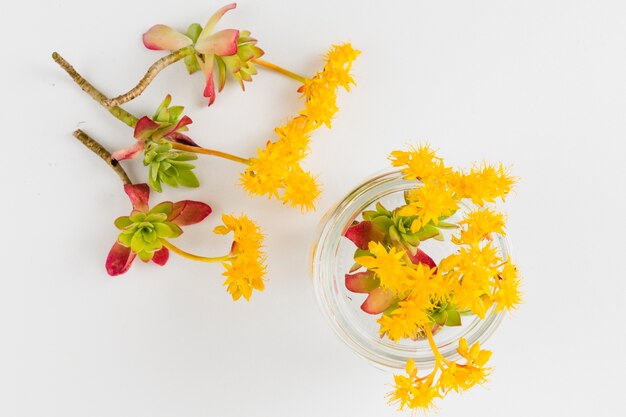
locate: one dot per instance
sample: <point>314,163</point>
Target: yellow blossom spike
<point>245,269</point>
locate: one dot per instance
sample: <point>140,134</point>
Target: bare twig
<point>116,111</point>
<point>99,150</point>
<point>149,76</point>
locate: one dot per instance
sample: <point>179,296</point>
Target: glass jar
<point>332,257</point>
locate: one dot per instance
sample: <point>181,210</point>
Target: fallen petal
<point>188,212</point>
<point>160,37</point>
<point>120,258</point>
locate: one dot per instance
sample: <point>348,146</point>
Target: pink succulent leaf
<point>139,195</point>
<point>184,121</point>
<point>120,258</point>
<point>129,153</point>
<point>207,68</point>
<point>222,43</point>
<point>378,301</point>
<point>210,24</point>
<point>362,233</point>
<point>421,257</point>
<point>362,282</point>
<point>180,138</point>
<point>189,212</point>
<point>160,37</point>
<point>145,127</point>
<point>161,256</point>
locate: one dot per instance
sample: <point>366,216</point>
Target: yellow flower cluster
<point>414,392</point>
<point>245,266</point>
<point>475,277</point>
<point>276,170</point>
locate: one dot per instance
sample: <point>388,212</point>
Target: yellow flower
<point>276,171</point>
<point>339,63</point>
<point>301,189</point>
<point>485,183</point>
<point>430,202</point>
<point>389,266</point>
<point>471,272</point>
<point>320,99</point>
<point>320,92</point>
<point>479,224</point>
<point>420,163</point>
<point>245,268</point>
<point>473,372</point>
<point>412,393</point>
<point>406,320</point>
<point>507,295</point>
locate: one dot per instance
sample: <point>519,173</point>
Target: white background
<point>540,85</point>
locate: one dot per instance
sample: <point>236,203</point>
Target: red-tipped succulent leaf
<point>139,195</point>
<point>362,282</point>
<point>163,37</point>
<point>161,256</point>
<point>362,233</point>
<point>378,301</point>
<point>189,212</point>
<point>129,153</point>
<point>421,257</point>
<point>120,258</point>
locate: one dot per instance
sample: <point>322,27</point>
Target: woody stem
<point>280,70</point>
<point>191,256</point>
<point>86,86</point>
<point>99,150</point>
<point>213,152</point>
<point>152,72</point>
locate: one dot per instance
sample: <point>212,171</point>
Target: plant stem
<point>433,345</point>
<point>152,72</point>
<point>213,152</point>
<point>281,70</point>
<point>191,256</point>
<point>99,150</point>
<point>116,111</point>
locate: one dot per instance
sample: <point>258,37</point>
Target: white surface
<point>537,84</point>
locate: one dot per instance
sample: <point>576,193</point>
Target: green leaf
<point>454,318</point>
<point>165,207</point>
<point>122,222</point>
<point>187,178</point>
<point>361,252</point>
<point>369,215</point>
<point>181,165</point>
<point>382,210</point>
<point>145,255</point>
<point>185,156</point>
<point>440,317</point>
<point>125,238</point>
<point>382,222</point>
<point>193,31</point>
<point>169,180</point>
<point>393,234</point>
